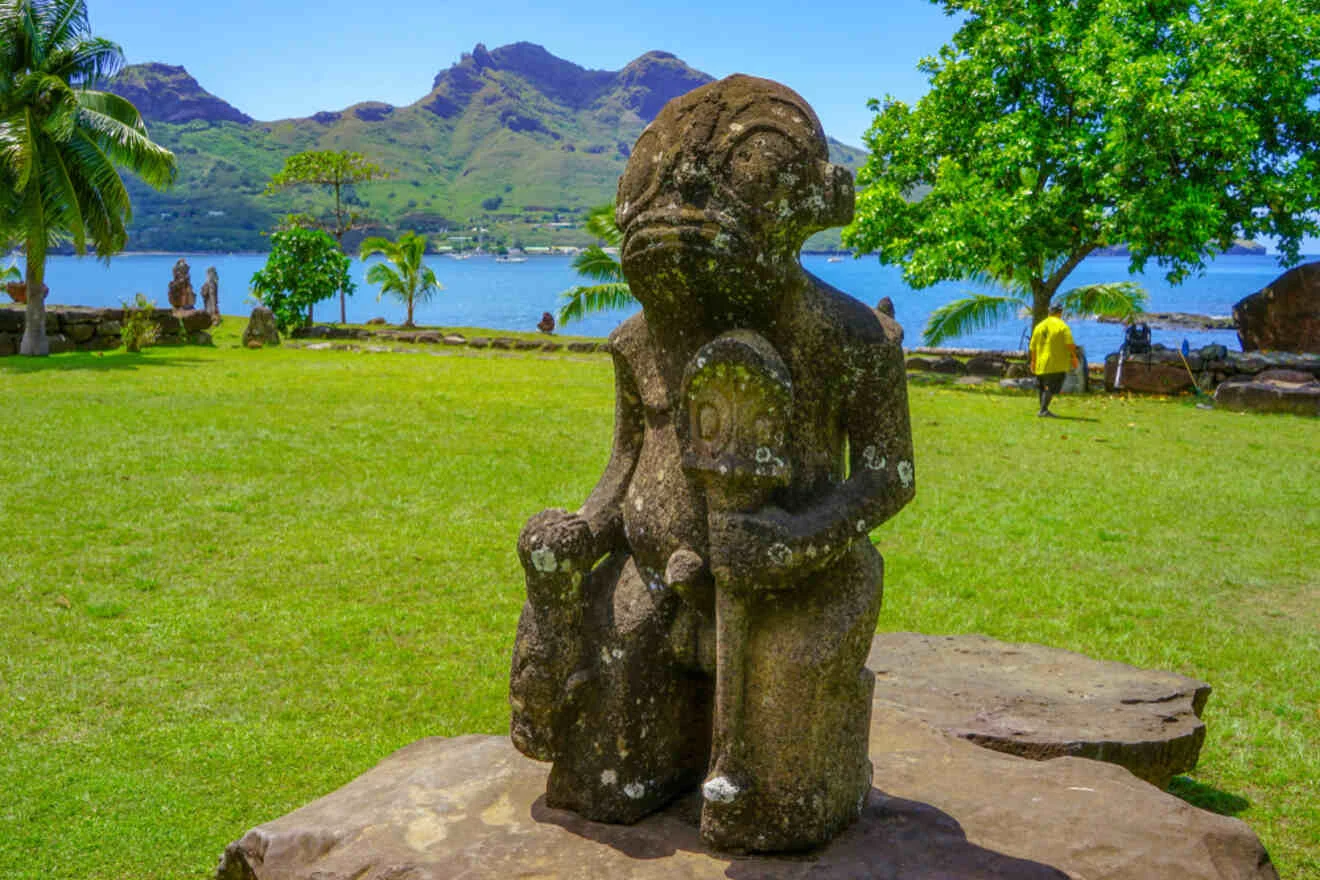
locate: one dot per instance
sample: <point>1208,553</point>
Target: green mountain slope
<point>510,146</point>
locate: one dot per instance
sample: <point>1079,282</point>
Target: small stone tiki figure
<point>211,295</point>
<point>181,294</point>
<point>703,620</point>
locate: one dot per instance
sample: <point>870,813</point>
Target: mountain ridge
<point>513,140</point>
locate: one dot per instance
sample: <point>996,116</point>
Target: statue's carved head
<point>719,194</point>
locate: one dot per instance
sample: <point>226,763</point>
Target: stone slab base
<point>472,807</point>
<point>1040,702</point>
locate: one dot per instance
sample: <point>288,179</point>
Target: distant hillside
<point>513,141</point>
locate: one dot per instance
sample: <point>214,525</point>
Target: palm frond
<point>597,265</point>
<point>579,302</point>
<point>600,223</point>
<point>967,315</point>
<point>1116,299</point>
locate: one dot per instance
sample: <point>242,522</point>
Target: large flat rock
<point>472,807</point>
<point>1040,702</point>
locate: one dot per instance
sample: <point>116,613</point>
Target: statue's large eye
<point>640,175</point>
<point>764,166</point>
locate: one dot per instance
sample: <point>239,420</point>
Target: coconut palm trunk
<point>35,343</point>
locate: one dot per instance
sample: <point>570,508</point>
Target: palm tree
<point>62,142</point>
<point>410,281</point>
<point>611,290</point>
<point>979,310</point>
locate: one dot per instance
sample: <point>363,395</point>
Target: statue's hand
<point>754,551</point>
<point>556,541</point>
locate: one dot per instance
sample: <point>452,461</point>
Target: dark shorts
<point>1051,382</point>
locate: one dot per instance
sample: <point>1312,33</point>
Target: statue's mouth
<point>667,230</point>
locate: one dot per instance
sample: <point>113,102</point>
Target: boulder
<point>478,342</point>
<point>949,366</point>
<point>551,346</point>
<point>429,337</point>
<point>1248,394</point>
<point>1017,371</point>
<point>472,807</point>
<point>1160,372</point>
<point>261,329</point>
<point>194,320</point>
<point>59,343</point>
<point>1283,316</point>
<point>81,332</point>
<point>987,365</point>
<point>454,339</point>
<point>918,364</point>
<point>201,337</point>
<point>377,322</point>
<point>11,320</point>
<point>527,344</point>
<point>9,343</point>
<point>1039,702</point>
<point>582,347</point>
<point>504,343</point>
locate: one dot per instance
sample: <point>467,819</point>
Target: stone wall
<point>76,328</point>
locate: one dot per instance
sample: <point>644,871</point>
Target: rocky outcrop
<point>1283,316</point>
<point>1276,391</point>
<point>941,807</point>
<point>163,93</point>
<point>1174,321</point>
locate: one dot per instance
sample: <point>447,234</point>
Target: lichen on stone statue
<point>211,295</point>
<point>703,620</point>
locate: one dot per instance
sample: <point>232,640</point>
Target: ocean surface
<point>480,292</point>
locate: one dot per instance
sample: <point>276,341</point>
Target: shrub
<point>139,327</point>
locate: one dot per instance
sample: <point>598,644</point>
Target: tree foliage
<point>304,267</point>
<point>611,289</point>
<point>334,170</point>
<point>410,280</point>
<point>981,310</point>
<point>62,143</point>
<point>1055,128</point>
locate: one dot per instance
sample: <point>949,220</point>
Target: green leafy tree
<point>62,143</point>
<point>304,267</point>
<point>334,170</point>
<point>410,281</point>
<point>1058,127</point>
<point>976,312</point>
<point>611,289</point>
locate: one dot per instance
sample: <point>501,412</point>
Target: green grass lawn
<point>230,580</point>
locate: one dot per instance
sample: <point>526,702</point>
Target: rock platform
<point>941,806</point>
<point>472,807</point>
<point>1039,702</point>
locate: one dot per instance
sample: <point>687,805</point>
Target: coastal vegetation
<point>1119,300</point>
<point>337,171</point>
<point>187,656</point>
<point>409,280</point>
<point>1055,129</point>
<point>304,267</point>
<point>62,143</point>
<point>610,290</point>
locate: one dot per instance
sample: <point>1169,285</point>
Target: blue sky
<point>276,59</point>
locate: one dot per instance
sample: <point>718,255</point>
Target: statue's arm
<point>557,539</point>
<point>774,548</point>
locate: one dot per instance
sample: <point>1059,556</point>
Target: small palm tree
<point>611,290</point>
<point>62,142</point>
<point>410,281</point>
<point>979,310</point>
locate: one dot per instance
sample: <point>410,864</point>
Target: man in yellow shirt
<point>1052,355</point>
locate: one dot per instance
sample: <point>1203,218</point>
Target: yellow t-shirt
<point>1052,346</point>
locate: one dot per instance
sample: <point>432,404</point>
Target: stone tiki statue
<point>704,618</point>
<point>180,293</point>
<point>211,295</point>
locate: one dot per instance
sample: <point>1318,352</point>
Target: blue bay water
<point>480,292</point>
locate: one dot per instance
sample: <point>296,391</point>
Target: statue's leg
<point>637,735</point>
<point>807,712</point>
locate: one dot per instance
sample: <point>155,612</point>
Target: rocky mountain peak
<point>168,93</point>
